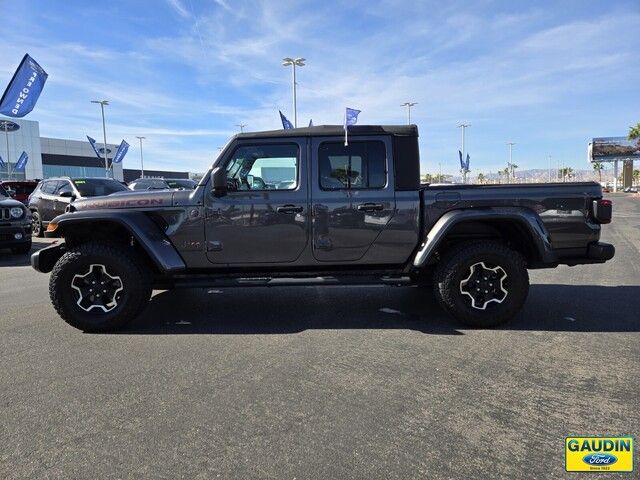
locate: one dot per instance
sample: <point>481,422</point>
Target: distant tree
<point>598,166</point>
<point>481,178</point>
<point>634,132</point>
<point>636,176</point>
<point>566,172</point>
<point>513,170</point>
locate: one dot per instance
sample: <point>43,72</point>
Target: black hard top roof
<point>335,130</point>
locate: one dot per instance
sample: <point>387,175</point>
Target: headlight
<point>16,212</point>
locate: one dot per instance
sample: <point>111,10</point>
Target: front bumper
<point>44,259</point>
<point>8,234</point>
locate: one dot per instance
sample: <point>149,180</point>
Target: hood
<point>7,202</point>
<point>127,199</point>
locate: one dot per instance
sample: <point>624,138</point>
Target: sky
<point>547,75</point>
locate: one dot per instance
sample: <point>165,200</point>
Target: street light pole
<point>141,159</point>
<point>294,62</point>
<point>409,105</point>
<point>511,144</point>
<point>463,126</point>
<point>104,134</point>
<point>241,125</point>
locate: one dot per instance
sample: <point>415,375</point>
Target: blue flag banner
<point>461,161</point>
<point>2,164</point>
<point>350,118</point>
<point>311,123</point>
<point>22,162</point>
<point>24,89</point>
<point>466,163</point>
<point>286,124</point>
<point>92,141</point>
<point>121,152</point>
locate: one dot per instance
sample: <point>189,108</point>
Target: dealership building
<point>53,157</point>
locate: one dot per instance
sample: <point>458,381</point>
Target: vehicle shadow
<point>10,259</point>
<point>295,309</point>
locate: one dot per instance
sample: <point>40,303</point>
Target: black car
<point>149,184</point>
<point>52,196</point>
<point>181,183</point>
<point>15,224</point>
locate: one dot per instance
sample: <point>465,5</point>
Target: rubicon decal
<point>599,454</point>
<point>140,202</point>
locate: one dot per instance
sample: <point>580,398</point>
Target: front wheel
<point>99,287</point>
<point>482,284</point>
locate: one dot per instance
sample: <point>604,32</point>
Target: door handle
<point>370,207</point>
<point>289,209</point>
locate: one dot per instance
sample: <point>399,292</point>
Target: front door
<point>353,197</point>
<point>264,216</point>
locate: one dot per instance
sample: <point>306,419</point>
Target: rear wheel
<point>482,284</point>
<point>36,224</point>
<point>98,287</point>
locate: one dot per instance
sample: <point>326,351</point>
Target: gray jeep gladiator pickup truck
<point>298,207</point>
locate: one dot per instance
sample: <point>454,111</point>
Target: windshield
<point>95,187</point>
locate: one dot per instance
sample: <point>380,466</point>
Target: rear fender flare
<point>525,217</point>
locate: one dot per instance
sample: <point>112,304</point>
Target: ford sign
<point>599,459</point>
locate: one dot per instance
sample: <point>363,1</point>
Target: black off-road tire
<point>120,261</point>
<point>22,249</point>
<point>36,224</point>
<point>457,267</point>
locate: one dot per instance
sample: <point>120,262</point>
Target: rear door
<point>60,203</point>
<point>264,216</point>
<point>352,195</point>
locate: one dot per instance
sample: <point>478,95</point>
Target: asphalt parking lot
<point>322,382</point>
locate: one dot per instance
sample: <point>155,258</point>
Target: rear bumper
<point>597,252</point>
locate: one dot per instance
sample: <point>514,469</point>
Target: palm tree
<point>481,178</point>
<point>513,170</point>
<point>636,176</point>
<point>598,166</point>
<point>634,132</point>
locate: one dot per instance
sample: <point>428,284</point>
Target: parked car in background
<point>21,188</point>
<point>15,224</point>
<point>52,196</point>
<point>148,184</point>
<point>181,183</point>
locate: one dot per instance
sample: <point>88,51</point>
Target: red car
<point>21,188</point>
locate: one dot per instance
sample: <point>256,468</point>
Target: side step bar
<point>222,282</point>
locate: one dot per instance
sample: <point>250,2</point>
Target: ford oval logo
<point>599,459</point>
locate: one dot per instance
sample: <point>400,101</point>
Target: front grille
<point>5,214</point>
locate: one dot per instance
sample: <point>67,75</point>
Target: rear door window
<point>49,186</point>
<point>360,165</point>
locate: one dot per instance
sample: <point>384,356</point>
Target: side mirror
<point>68,194</point>
<point>219,181</point>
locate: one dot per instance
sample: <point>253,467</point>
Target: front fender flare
<point>524,216</point>
<point>140,226</point>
